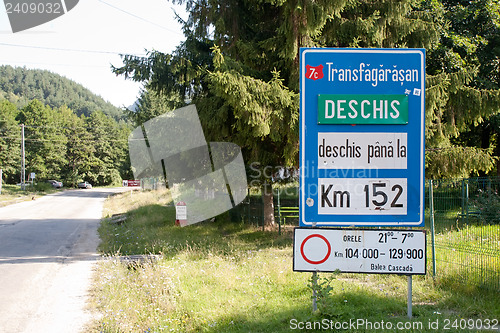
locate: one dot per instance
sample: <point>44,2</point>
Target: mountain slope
<point>21,85</point>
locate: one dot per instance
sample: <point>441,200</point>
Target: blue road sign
<point>362,137</point>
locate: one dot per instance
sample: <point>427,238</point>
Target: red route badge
<point>314,73</point>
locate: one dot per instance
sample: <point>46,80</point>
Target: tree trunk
<point>267,198</point>
<point>498,161</point>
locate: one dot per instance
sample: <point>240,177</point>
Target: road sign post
<point>181,214</point>
<point>362,137</point>
<point>361,161</point>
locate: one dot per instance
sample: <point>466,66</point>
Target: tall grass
<point>13,194</point>
<point>230,277</point>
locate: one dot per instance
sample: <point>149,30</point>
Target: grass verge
<point>230,277</point>
<point>12,194</point>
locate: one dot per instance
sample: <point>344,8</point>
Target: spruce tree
<point>246,89</point>
<point>463,96</point>
<point>108,161</point>
<point>45,141</point>
<point>79,146</point>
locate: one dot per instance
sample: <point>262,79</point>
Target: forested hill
<point>21,85</point>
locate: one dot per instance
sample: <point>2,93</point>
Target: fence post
<point>431,208</point>
<point>262,216</point>
<point>467,202</point>
<point>279,213</point>
<point>463,197</point>
<point>248,206</point>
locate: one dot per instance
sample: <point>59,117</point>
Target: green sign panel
<point>362,109</point>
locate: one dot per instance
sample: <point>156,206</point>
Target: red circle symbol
<point>313,262</point>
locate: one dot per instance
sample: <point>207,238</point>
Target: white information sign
<point>181,212</point>
<point>360,251</point>
<point>362,150</point>
<point>362,196</point>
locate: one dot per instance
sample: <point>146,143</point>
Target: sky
<point>83,43</point>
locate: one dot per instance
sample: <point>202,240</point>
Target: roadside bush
<point>42,187</point>
<point>488,204</point>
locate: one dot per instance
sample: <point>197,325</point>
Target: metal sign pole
<point>431,206</point>
<point>410,292</point>
<point>314,288</point>
<point>409,296</point>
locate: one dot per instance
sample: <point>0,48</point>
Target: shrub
<point>488,204</point>
<point>42,187</point>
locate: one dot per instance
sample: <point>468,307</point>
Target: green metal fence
<point>466,233</point>
<point>462,218</point>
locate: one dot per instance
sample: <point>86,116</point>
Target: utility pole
<point>23,165</point>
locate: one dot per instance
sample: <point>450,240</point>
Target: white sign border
<point>422,137</point>
<point>315,230</point>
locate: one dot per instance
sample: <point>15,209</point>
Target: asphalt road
<point>47,249</point>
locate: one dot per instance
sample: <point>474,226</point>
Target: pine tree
<point>151,104</point>
<point>79,146</point>
<point>110,144</point>
<point>246,90</point>
<point>45,141</point>
<point>463,95</point>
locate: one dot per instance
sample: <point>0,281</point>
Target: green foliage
<point>457,161</point>
<point>246,89</point>
<point>71,134</point>
<point>463,88</point>
<point>230,277</point>
<point>62,145</point>
<point>42,187</point>
<point>10,141</point>
<point>79,151</point>
<point>110,158</point>
<point>44,141</point>
<point>488,205</point>
<point>321,288</point>
<point>389,24</point>
<point>240,67</point>
<point>261,111</point>
<point>150,105</point>
<point>21,85</point>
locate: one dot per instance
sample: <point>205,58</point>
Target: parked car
<point>84,185</point>
<point>55,183</point>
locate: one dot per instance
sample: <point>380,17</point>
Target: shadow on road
<point>48,240</point>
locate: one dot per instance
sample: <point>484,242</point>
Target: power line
<point>140,18</point>
<point>66,50</point>
<point>4,62</point>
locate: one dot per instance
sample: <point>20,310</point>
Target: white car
<point>84,185</point>
<point>55,183</point>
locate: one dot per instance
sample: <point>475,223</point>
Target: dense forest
<point>70,134</point>
<point>21,85</point>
